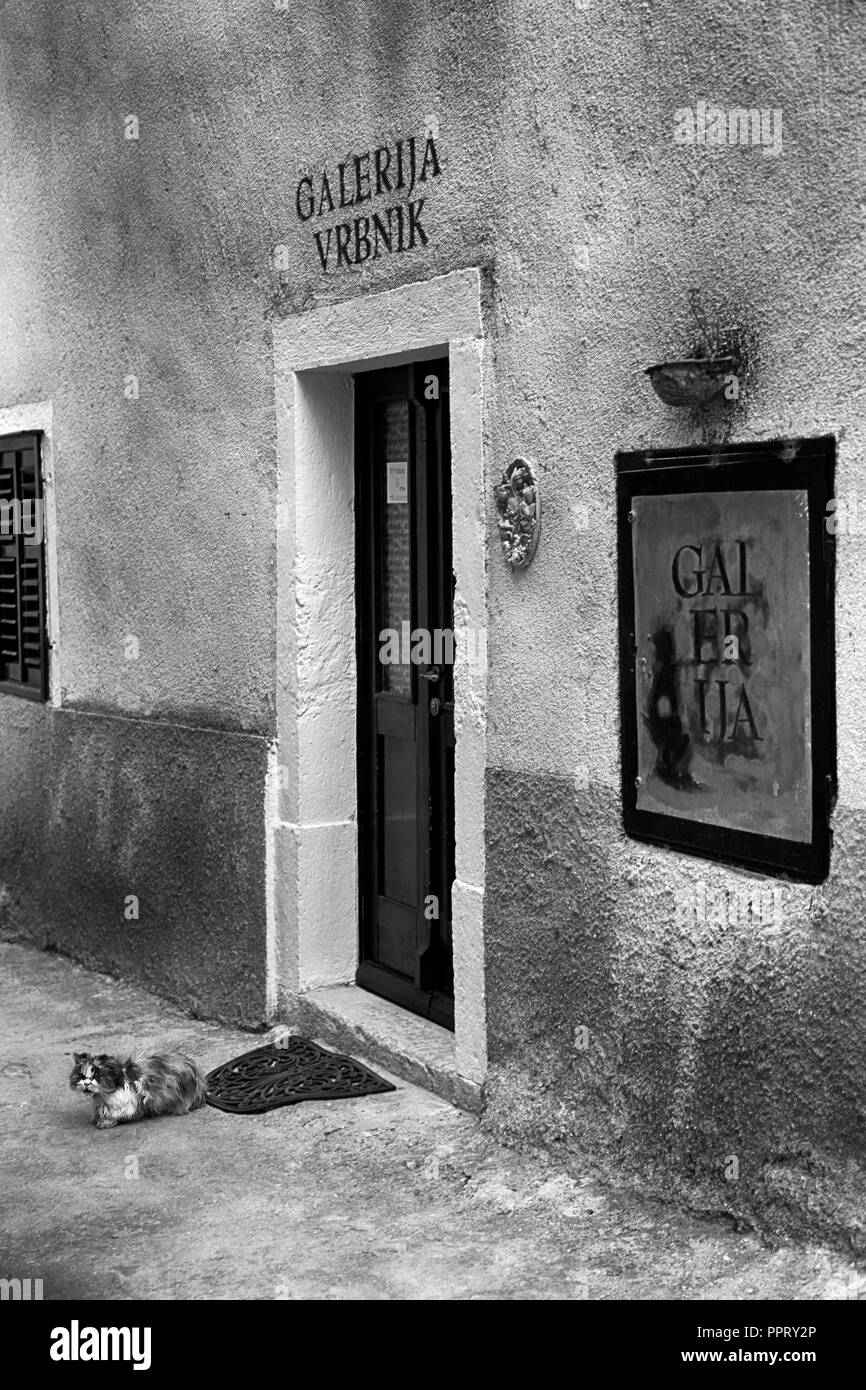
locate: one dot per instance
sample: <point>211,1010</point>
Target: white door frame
<point>312,793</point>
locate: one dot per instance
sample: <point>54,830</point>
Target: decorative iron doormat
<point>288,1072</point>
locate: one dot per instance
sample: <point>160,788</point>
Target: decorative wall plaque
<point>726,658</point>
<point>518,501</point>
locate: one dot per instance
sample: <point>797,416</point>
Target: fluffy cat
<point>166,1084</point>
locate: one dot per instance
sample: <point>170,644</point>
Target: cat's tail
<point>173,1084</point>
<point>196,1086</point>
<point>199,1096</point>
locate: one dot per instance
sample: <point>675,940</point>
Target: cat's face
<point>90,1075</point>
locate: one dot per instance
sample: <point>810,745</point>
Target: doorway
<point>405,660</point>
<point>322,357</point>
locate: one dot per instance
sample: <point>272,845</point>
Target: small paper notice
<point>398,480</point>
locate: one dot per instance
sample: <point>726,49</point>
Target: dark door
<point>405,686</point>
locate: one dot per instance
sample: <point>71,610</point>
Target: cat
<point>122,1092</point>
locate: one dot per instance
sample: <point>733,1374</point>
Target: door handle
<point>434,674</point>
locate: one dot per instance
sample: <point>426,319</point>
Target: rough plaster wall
<point>96,811</point>
<point>153,257</point>
<point>705,1042</point>
<point>142,257</point>
<point>120,257</point>
<point>608,225</point>
<point>561,178</point>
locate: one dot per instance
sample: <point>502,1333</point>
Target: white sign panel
<point>398,480</point>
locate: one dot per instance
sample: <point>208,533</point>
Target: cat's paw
<point>104,1124</point>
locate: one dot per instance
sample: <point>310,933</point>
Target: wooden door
<point>405,686</point>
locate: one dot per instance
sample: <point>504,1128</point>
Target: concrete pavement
<point>397,1196</point>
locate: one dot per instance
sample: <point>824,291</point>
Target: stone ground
<point>397,1196</point>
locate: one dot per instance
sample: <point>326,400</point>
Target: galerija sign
<point>727,651</point>
<point>404,167</point>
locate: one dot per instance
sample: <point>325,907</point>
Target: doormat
<point>286,1073</point>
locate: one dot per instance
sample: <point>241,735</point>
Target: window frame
<point>807,464</point>
<point>26,550</point>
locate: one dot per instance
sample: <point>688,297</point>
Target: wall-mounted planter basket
<point>518,501</point>
<point>693,381</point>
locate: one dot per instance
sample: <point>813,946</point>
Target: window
<point>23,642</point>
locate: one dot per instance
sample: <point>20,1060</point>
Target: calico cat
<point>166,1084</point>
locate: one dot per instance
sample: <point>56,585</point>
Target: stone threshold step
<point>382,1034</point>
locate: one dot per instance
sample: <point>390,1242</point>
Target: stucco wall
<point>123,258</point>
<point>705,1043</point>
<point>138,847</point>
<point>560,177</point>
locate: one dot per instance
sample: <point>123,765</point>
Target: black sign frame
<point>803,464</point>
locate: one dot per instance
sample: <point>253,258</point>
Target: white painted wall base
<point>313,795</point>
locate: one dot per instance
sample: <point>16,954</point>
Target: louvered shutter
<point>23,644</point>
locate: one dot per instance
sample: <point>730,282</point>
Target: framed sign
<point>727,652</point>
<point>397,474</point>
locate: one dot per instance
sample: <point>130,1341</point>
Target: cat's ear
<point>78,1056</point>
